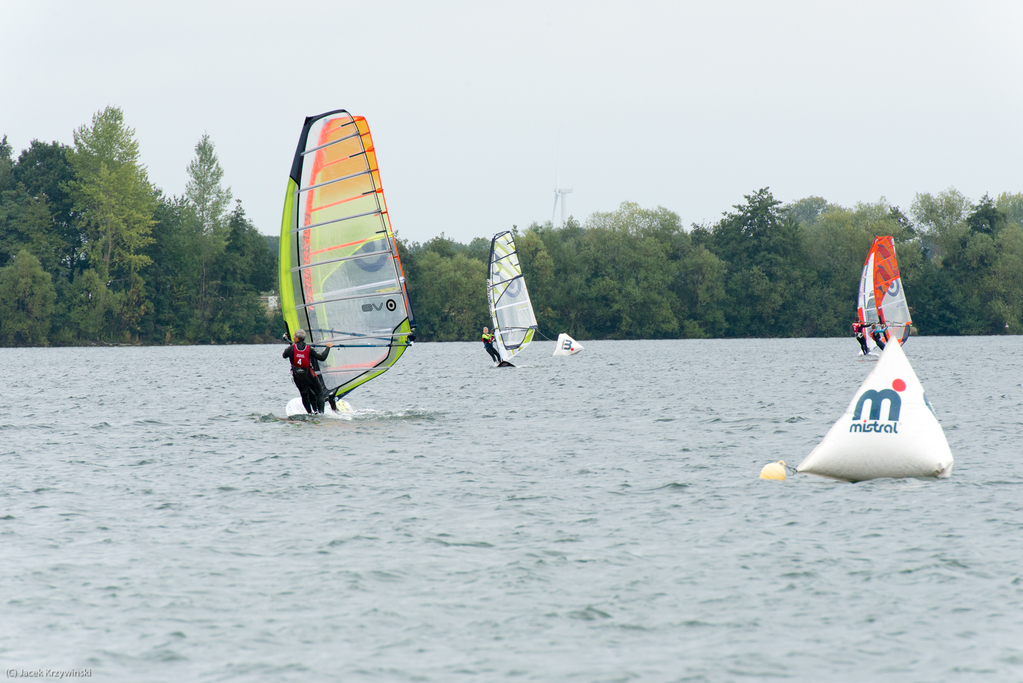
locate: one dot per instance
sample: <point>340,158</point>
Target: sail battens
<point>339,265</point>
<point>332,142</point>
<point>517,303</point>
<point>310,226</point>
<point>334,181</point>
<point>338,260</point>
<point>339,202</point>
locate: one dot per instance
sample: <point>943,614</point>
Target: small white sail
<point>511,311</point>
<point>566,346</point>
<point>888,430</point>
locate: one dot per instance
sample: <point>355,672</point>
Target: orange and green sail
<point>340,276</point>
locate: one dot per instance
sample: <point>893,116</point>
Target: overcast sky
<point>475,106</point>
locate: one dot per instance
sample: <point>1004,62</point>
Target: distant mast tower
<point>559,194</point>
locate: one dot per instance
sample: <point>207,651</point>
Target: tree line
<point>92,252</point>
<point>766,269</point>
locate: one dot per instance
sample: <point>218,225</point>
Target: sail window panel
<point>518,315</point>
<point>363,326</point>
<point>347,280</point>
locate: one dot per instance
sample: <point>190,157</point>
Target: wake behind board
<point>344,410</point>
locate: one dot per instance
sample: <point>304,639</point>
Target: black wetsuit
<point>861,337</point>
<point>309,384</point>
<point>488,344</point>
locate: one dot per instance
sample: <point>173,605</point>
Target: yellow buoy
<point>774,470</point>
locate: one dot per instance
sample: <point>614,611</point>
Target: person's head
<point>299,335</point>
<point>486,330</point>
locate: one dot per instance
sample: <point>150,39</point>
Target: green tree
<point>44,171</point>
<point>26,302</point>
<point>806,211</point>
<point>1012,206</point>
<point>701,292</point>
<point>208,202</point>
<point>243,270</point>
<point>451,305</point>
<point>111,190</point>
<point>942,219</point>
<point>6,165</point>
<point>87,308</point>
<point>767,267</point>
<point>25,223</point>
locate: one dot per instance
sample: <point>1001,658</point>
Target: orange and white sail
<point>882,299</point>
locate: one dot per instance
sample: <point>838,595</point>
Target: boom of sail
<point>511,311</point>
<point>340,276</point>
<point>881,297</point>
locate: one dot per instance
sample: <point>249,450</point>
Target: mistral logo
<point>872,423</point>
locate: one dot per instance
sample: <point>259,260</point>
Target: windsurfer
<point>861,336</point>
<point>488,344</point>
<point>877,334</point>
<point>303,371</point>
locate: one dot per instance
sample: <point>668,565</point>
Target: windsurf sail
<point>340,276</point>
<point>511,311</point>
<point>881,297</point>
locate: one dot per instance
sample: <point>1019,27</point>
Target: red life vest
<point>300,358</point>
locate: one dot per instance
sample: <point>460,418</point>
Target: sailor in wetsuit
<point>861,336</point>
<point>877,334</point>
<point>303,370</point>
<point>488,344</point>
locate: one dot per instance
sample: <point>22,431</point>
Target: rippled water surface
<point>593,518</point>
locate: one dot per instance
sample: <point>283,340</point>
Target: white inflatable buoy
<point>566,346</point>
<point>774,470</point>
<point>888,430</point>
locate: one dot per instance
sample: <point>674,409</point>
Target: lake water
<point>592,518</point>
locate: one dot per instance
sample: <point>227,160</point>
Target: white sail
<point>566,346</point>
<point>888,430</point>
<point>511,311</point>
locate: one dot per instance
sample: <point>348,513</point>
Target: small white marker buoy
<point>774,470</point>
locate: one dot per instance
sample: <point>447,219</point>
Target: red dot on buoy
<point>899,385</point>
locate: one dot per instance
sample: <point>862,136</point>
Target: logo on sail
<point>872,423</point>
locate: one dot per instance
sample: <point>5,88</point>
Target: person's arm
<point>288,352</point>
<point>325,352</point>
